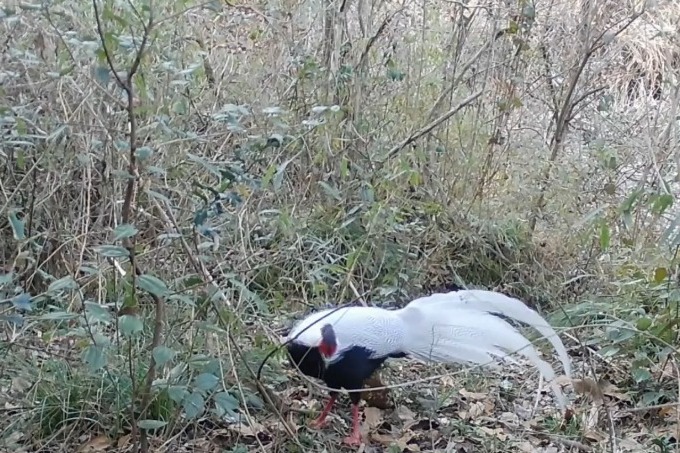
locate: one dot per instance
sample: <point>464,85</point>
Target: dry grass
<point>291,155</point>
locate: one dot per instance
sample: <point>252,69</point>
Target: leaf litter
<point>459,413</point>
<point>480,417</point>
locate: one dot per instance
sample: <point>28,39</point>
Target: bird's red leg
<point>321,421</point>
<point>355,437</point>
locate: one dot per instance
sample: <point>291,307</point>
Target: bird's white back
<point>378,330</point>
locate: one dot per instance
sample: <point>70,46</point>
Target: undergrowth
<point>180,182</point>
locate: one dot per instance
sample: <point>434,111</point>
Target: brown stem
<point>563,116</point>
<point>126,211</point>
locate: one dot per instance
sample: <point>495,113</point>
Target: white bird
<point>344,346</point>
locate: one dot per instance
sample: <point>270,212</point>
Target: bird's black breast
<point>307,359</point>
<point>354,366</point>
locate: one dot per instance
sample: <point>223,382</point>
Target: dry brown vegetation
<point>180,180</point>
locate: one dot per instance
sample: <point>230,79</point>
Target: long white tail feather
<point>493,302</point>
<point>462,326</point>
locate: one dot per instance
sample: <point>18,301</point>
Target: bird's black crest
<point>328,335</point>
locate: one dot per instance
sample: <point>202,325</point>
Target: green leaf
<point>660,274</point>
<point>395,74</point>
<point>64,283</point>
<point>97,313</point>
<point>151,424</point>
<point>225,403</point>
<point>190,281</point>
<point>255,401</point>
<point>102,74</point>
<point>330,191</point>
<point>162,355</point>
<point>194,405</point>
<point>206,381</point>
<point>143,152</point>
<point>22,302</point>
<point>208,166</point>
<point>248,294</point>
<point>605,236</point>
<point>6,278</point>
<point>58,316</point>
<point>180,107</point>
<point>122,174</point>
<point>662,203</point>
<point>641,375</point>
<point>644,323</point>
<point>177,393</point>
<point>121,145</point>
<point>88,270</point>
<point>18,228</point>
<point>152,284</point>
<point>14,319</point>
<point>650,399</point>
<point>94,357</point>
<point>629,203</point>
<point>280,173</point>
<point>130,324</point>
<point>620,335</point>
<point>124,231</point>
<point>609,351</point>
<point>30,6</point>
<point>268,175</point>
<point>198,361</point>
<point>113,251</point>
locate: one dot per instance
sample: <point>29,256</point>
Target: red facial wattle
<point>326,349</point>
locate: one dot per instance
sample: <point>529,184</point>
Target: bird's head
<point>328,344</point>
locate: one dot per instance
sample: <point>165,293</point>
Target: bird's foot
<point>353,440</point>
<point>318,423</point>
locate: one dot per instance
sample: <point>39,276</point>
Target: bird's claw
<point>353,440</point>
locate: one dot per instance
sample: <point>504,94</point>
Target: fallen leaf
<point>99,443</point>
<point>124,441</point>
<point>473,396</point>
<point>494,432</point>
<point>476,410</point>
<point>374,417</point>
<point>405,414</point>
<point>401,443</point>
<point>525,447</point>
<point>591,419</point>
<point>246,430</point>
<point>672,430</point>
<point>589,388</point>
<point>669,412</point>
<point>20,384</point>
<point>278,425</point>
<point>13,439</point>
<point>509,418</point>
<point>595,435</point>
<point>613,391</point>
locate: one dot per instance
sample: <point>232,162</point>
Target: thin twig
<point>427,129</point>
